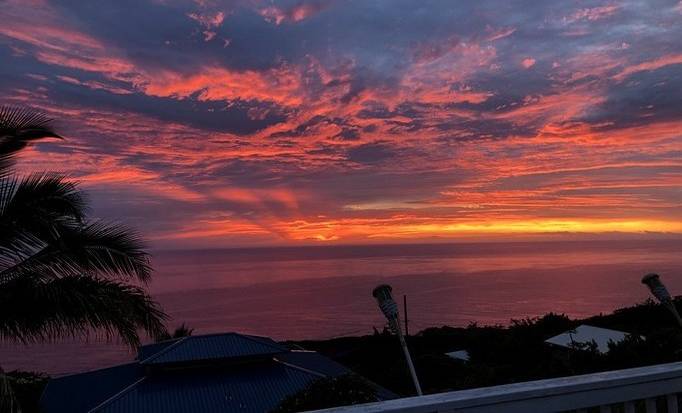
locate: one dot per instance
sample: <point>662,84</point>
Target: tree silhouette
<point>183,330</point>
<point>61,273</point>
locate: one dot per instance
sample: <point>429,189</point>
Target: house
<point>584,334</point>
<point>208,373</point>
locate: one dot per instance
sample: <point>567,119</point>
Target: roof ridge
<point>117,395</point>
<point>276,346</point>
<point>165,350</point>
<point>294,366</point>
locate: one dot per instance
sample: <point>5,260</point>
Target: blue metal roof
<point>215,347</point>
<point>268,372</point>
<point>316,362</point>
<point>254,388</point>
<point>148,350</point>
<point>313,361</point>
<point>82,392</point>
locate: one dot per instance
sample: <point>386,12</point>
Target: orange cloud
<point>259,197</point>
<point>279,85</point>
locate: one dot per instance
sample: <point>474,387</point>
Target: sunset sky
<point>228,123</point>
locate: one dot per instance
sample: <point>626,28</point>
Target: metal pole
<point>389,307</point>
<point>671,307</point>
<point>413,373</point>
<point>407,330</point>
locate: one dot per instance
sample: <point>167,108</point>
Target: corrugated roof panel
<point>313,361</point>
<point>253,388</point>
<point>81,392</point>
<point>215,346</point>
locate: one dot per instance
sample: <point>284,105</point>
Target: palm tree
<point>183,330</point>
<point>62,274</point>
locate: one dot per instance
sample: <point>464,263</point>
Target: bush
<point>329,392</point>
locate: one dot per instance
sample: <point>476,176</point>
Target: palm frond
<point>75,306</point>
<point>34,210</point>
<point>181,331</point>
<point>99,249</point>
<point>18,127</point>
<point>44,192</point>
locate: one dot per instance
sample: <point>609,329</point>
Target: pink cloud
<point>592,14</point>
<point>500,34</point>
<point>528,62</point>
<point>672,59</point>
<point>208,20</point>
<point>295,14</point>
<point>279,85</point>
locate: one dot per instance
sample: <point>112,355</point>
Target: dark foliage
<point>329,392</point>
<point>27,388</point>
<point>500,355</point>
<point>19,127</point>
<point>181,331</point>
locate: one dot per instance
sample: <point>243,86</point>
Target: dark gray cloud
<point>371,153</point>
<point>640,99</point>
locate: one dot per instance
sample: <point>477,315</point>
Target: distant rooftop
<point>584,334</point>
<point>462,355</point>
<point>228,346</point>
<point>210,373</point>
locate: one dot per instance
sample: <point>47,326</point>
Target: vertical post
<point>407,330</point>
<point>413,373</point>
<point>671,402</point>
<point>670,305</point>
<point>630,407</point>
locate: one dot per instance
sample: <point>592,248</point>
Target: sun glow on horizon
<point>349,230</point>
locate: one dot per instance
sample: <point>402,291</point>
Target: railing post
<point>650,405</point>
<point>671,401</point>
<point>630,407</point>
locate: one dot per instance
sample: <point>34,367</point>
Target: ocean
<point>325,292</point>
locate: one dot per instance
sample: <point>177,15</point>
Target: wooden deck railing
<point>651,389</point>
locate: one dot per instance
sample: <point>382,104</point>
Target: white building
<point>585,334</point>
<point>461,355</point>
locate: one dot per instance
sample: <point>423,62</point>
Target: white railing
<point>629,391</point>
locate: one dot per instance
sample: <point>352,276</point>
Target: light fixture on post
<point>388,306</point>
<point>658,290</point>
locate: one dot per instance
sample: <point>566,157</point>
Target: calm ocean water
<point>324,292</point>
